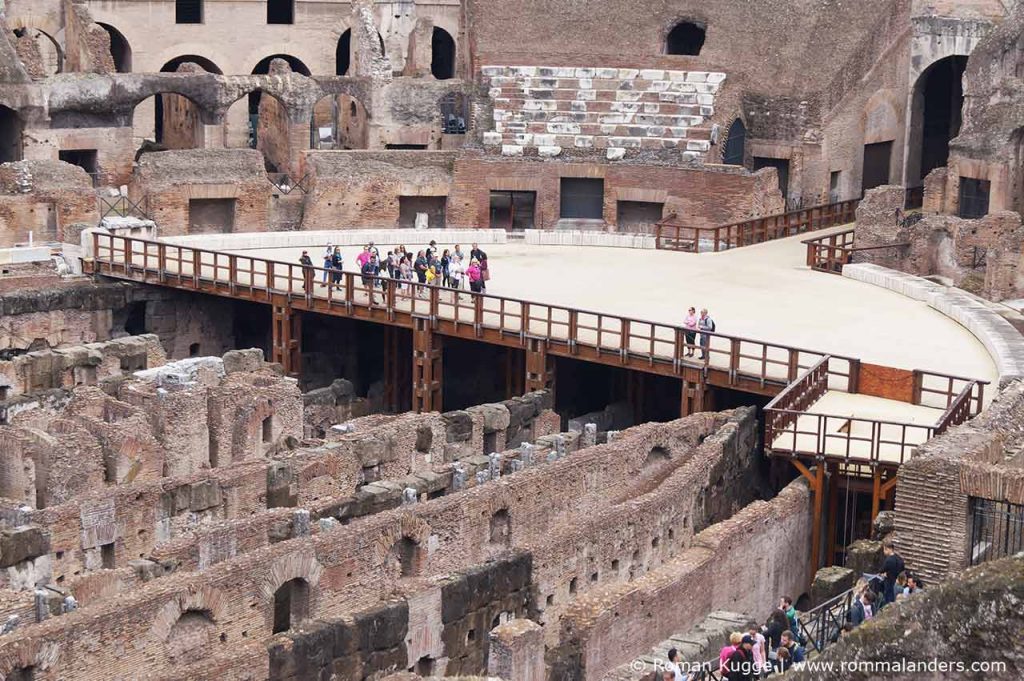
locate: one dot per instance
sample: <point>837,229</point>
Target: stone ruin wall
<point>982,256</point>
<point>980,458</point>
<point>349,565</point>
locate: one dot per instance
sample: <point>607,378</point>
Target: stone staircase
<point>695,646</point>
<point>553,108</point>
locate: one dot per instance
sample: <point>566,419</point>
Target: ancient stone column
<point>517,651</point>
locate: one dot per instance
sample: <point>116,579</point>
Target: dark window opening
<point>572,585</point>
<point>193,350</point>
<point>343,54</point>
<point>877,158</point>
<point>513,210</point>
<point>781,166</point>
<point>442,61</point>
<point>501,528</point>
<point>974,196</point>
<point>291,604</point>
<point>280,11</point>
<point>582,198</point>
<point>405,147</point>
<point>83,158</point>
<point>135,322</point>
<point>686,38</point>
<point>10,135</point>
<point>188,11</point>
<point>268,429</point>
<point>833,186</point>
<point>735,149</point>
<point>490,442</point>
<point>107,556</point>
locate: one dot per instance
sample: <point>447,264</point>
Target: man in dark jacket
<point>307,272</point>
<point>892,567</point>
<point>740,666</point>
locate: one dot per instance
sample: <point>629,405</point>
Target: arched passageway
<point>734,152</point>
<point>936,116</point>
<point>120,49</point>
<point>170,120</point>
<point>339,122</point>
<point>291,604</point>
<point>343,54</point>
<point>39,51</point>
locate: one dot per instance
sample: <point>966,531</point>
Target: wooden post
<point>540,367</point>
<point>876,491</point>
<point>816,479</point>
<point>833,511</point>
<point>284,346</point>
<point>426,366</point>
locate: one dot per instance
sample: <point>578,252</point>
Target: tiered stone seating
<point>554,108</point>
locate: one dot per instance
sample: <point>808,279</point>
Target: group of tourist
<point>692,324</point>
<point>776,646</point>
<point>448,268</point>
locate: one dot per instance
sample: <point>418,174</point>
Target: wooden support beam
<point>876,492</point>
<point>286,339</point>
<point>427,353</point>
<point>540,366</point>
<point>819,487</point>
<point>833,510</point>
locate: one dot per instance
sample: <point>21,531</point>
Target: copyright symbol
<point>637,665</point>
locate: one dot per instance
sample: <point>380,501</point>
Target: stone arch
<point>208,51</point>
<point>291,604</point>
<point>11,129</point>
<point>120,49</point>
<point>292,566</point>
<point>206,64</point>
<point>29,654</point>
<point>401,547</point>
<point>935,115</point>
<point>442,54</point>
<point>339,121</point>
<point>686,37</point>
<point>205,599</point>
<point>42,54</point>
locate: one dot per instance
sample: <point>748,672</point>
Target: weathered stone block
<point>830,582</point>
<point>22,543</point>
<point>864,556</point>
<point>240,361</point>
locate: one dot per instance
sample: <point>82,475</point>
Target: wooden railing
<point>831,252</point>
<point>595,336</point>
<point>782,412</point>
<point>675,236</point>
<point>959,410</point>
<point>940,391</point>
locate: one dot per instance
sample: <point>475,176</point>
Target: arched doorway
<point>343,54</point>
<point>735,148</point>
<point>44,56</point>
<point>936,116</point>
<point>291,604</point>
<point>685,38</point>
<point>10,135</point>
<point>339,122</point>
<point>442,61</point>
<point>120,50</point>
<point>202,62</point>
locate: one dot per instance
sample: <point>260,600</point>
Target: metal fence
<point>997,529</point>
